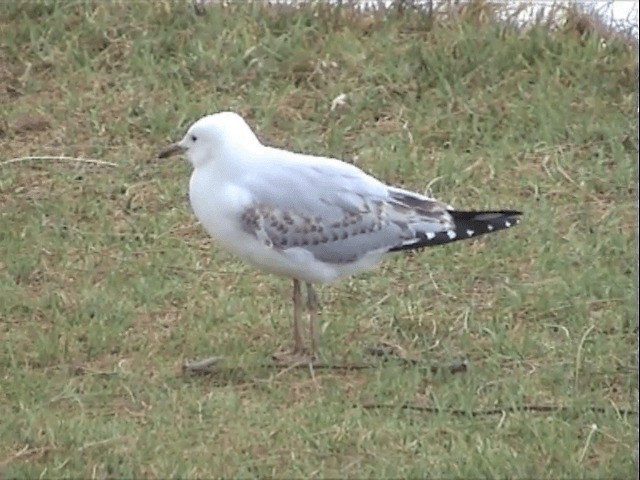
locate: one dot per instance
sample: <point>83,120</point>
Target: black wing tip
<point>467,225</point>
<point>471,214</point>
<point>512,213</point>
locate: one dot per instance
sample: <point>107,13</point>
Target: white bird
<point>311,218</point>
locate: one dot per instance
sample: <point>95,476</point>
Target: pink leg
<point>312,305</point>
<point>298,346</point>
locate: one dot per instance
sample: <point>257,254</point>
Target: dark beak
<point>171,150</point>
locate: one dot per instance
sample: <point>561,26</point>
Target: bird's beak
<point>171,150</point>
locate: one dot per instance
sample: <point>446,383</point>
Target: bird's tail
<point>467,224</point>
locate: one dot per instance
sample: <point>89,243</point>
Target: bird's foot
<point>388,350</point>
<point>294,356</point>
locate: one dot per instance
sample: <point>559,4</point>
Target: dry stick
<point>25,452</point>
<point>210,365</point>
<point>492,411</point>
<point>206,365</point>
<point>91,161</point>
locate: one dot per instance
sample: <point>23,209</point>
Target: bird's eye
<point>194,138</point>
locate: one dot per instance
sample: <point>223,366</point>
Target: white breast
<point>217,206</point>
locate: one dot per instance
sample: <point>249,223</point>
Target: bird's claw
<point>295,356</point>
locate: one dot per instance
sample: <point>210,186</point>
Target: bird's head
<point>209,136</point>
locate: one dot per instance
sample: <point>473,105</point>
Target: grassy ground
<point>107,283</point>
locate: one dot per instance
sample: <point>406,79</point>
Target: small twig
<point>319,366</point>
<point>61,466</point>
<point>438,289</point>
<point>91,161</point>
<point>579,356</point>
<point>25,452</point>
<point>206,365</point>
<point>98,443</point>
<point>488,412</point>
<point>211,365</point>
<point>564,174</point>
<point>386,350</point>
<point>560,327</point>
<point>287,367</point>
<point>82,370</point>
<point>592,430</point>
<point>427,189</point>
<point>502,419</point>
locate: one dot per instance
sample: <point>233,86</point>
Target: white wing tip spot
<point>451,234</point>
<point>507,224</point>
<point>431,235</point>
<point>470,233</point>
<point>490,227</point>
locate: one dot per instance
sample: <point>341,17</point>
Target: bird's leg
<point>312,306</point>
<point>298,346</point>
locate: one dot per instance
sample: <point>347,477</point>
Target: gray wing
<point>336,211</point>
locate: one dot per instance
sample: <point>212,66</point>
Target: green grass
<point>107,283</point>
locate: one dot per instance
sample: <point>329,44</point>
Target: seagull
<point>311,218</point>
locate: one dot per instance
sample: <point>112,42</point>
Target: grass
<point>107,283</point>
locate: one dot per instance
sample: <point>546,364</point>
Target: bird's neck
<point>232,162</point>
